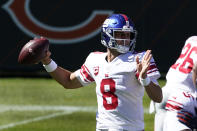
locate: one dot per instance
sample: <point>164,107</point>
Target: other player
<point>179,92</point>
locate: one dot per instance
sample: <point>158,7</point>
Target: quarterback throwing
<point>120,74</point>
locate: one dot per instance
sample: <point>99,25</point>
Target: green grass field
<point>38,104</point>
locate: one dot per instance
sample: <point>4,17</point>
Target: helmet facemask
<point>122,40</point>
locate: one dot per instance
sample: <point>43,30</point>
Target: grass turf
<point>47,92</point>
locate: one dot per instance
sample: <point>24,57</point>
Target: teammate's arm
<point>153,90</point>
<point>66,78</point>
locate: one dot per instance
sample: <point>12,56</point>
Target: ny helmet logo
<point>20,13</point>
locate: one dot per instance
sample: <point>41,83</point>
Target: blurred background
<point>73,28</point>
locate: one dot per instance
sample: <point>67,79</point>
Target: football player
<point>179,93</point>
<point>120,74</point>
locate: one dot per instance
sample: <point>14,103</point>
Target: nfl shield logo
<point>96,70</point>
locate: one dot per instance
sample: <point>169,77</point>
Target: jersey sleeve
<point>84,74</point>
<point>153,71</point>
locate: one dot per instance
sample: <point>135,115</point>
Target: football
<point>33,51</point>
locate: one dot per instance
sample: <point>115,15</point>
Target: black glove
<point>187,119</point>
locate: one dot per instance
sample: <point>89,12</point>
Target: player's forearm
<point>154,92</point>
<point>65,78</point>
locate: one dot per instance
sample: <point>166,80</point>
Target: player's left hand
<point>142,67</point>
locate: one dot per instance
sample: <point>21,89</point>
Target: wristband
<point>145,82</point>
<point>51,66</point>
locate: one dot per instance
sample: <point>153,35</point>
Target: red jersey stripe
<point>175,102</point>
<point>172,107</point>
<point>86,73</point>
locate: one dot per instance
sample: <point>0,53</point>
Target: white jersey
<point>181,71</point>
<point>179,100</point>
<point>119,93</point>
<point>182,92</point>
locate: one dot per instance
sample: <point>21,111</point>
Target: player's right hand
<point>46,60</point>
